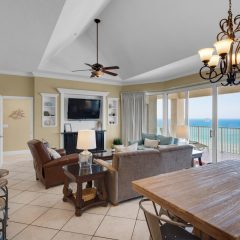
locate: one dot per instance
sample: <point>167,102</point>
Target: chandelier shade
<point>225,64</point>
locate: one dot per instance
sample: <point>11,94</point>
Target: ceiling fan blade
<point>112,67</point>
<point>81,70</point>
<point>110,73</point>
<point>88,65</point>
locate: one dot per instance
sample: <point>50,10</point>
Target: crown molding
<point>16,73</point>
<point>70,77</point>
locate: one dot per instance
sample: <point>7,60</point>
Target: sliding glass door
<point>200,121</point>
<point>228,123</point>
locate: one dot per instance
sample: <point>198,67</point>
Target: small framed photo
<point>67,127</point>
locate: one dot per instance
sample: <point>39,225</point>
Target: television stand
<point>70,142</point>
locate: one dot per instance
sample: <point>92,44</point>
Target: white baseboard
<point>11,153</point>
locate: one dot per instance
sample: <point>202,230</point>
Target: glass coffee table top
<point>79,171</point>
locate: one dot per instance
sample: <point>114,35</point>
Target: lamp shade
<point>182,131</point>
<point>223,46</point>
<point>86,139</point>
<point>205,54</point>
<point>214,61</point>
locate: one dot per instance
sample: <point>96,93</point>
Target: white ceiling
<point>151,40</point>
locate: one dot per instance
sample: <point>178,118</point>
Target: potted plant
<point>117,142</point>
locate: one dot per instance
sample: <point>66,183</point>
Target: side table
<point>79,175</point>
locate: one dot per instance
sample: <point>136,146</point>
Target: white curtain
<point>134,120</point>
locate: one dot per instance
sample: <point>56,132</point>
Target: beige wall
<point>46,85</point>
<point>28,86</point>
<point>16,86</point>
<point>161,86</point>
<point>17,131</point>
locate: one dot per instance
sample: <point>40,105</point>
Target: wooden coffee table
<point>79,175</point>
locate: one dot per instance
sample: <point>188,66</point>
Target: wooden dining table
<point>208,197</point>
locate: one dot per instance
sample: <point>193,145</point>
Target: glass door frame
<point>214,130</point>
<point>1,130</point>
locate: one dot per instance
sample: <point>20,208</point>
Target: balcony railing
<point>228,138</point>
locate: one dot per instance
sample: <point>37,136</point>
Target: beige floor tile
<point>116,228</point>
<point>14,228</point>
<point>64,205</point>
<point>36,233</point>
<point>73,236</point>
<point>25,197</point>
<point>37,187</point>
<point>28,214</point>
<point>140,231</point>
<point>56,190</point>
<point>99,238</point>
<point>86,224</point>
<point>25,169</point>
<point>99,210</point>
<point>12,182</point>
<point>13,207</point>
<point>23,185</point>
<point>13,192</point>
<point>54,218</point>
<point>46,200</point>
<point>125,210</point>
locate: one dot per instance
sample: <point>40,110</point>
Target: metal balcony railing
<point>228,138</point>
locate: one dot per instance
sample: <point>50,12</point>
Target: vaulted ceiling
<point>151,40</point>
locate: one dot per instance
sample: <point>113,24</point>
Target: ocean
<point>222,123</point>
<point>228,133</point>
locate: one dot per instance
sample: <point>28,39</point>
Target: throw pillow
<point>130,148</point>
<point>165,140</point>
<point>54,154</point>
<point>149,136</point>
<point>150,143</point>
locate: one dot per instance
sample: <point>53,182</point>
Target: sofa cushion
<point>130,148</point>
<point>139,142</point>
<point>151,136</point>
<point>165,140</point>
<point>150,143</point>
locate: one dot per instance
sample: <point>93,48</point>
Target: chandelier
<point>226,63</point>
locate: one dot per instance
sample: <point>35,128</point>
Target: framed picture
<point>67,127</point>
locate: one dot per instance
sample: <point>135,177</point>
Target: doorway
<point>17,124</point>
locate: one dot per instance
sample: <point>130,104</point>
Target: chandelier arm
<point>237,23</point>
<point>218,79</point>
<point>205,67</point>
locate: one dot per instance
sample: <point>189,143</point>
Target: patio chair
<point>165,229</point>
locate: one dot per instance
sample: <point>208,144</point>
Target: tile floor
<point>39,214</point>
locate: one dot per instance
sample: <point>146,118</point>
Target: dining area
<point>195,203</point>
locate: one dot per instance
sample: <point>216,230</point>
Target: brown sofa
<point>129,166</point>
<point>49,171</point>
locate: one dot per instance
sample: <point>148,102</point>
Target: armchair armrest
<point>64,160</point>
<point>105,164</point>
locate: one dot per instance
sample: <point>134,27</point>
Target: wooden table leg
<point>79,201</point>
<point>200,161</point>
<point>66,190</point>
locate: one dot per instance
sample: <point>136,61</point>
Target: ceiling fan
<point>97,69</point>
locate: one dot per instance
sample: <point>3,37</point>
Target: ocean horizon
<point>205,122</point>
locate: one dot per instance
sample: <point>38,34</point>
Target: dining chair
<point>161,228</point>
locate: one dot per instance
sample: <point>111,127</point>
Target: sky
<point>201,107</point>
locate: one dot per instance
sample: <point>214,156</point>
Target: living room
<point>148,112</point>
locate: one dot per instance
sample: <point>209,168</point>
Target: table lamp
<point>182,132</point>
<point>86,141</point>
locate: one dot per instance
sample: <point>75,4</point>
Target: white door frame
<point>31,122</point>
<point>1,130</point>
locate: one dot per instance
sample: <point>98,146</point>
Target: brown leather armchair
<point>49,171</point>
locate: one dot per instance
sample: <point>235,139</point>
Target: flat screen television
<point>83,108</point>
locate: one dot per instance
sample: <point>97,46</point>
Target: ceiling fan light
<point>214,61</point>
<point>206,54</point>
<point>234,59</point>
<point>223,46</point>
<point>98,73</point>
